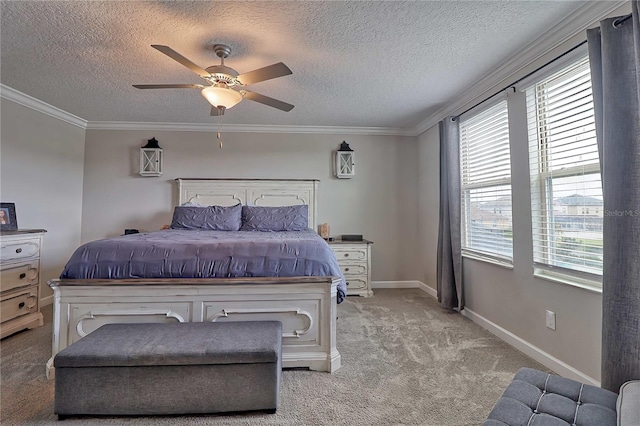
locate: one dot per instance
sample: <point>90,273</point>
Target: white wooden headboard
<point>251,192</point>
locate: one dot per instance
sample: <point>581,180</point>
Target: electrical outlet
<point>551,320</point>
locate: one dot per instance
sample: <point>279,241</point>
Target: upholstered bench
<point>181,368</point>
<point>538,398</point>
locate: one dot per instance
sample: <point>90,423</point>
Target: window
<point>485,167</point>
<point>566,190</point>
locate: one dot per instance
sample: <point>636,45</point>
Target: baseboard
<point>429,290</point>
<point>44,301</point>
<point>405,284</point>
<point>548,360</point>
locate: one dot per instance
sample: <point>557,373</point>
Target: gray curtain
<point>449,267</point>
<point>614,52</point>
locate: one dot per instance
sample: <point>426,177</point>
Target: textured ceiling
<point>362,64</point>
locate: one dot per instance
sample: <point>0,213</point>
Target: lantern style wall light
<point>345,166</point>
<point>151,159</point>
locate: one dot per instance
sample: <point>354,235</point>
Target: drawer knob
<point>346,255</point>
<point>347,282</point>
<point>346,269</point>
<point>22,276</point>
<point>18,250</point>
<point>21,305</point>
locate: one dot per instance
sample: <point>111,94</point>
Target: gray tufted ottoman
<point>181,368</point>
<point>535,398</point>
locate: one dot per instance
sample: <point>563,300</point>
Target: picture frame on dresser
<point>8,220</point>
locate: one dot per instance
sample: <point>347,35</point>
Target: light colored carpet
<point>405,361</point>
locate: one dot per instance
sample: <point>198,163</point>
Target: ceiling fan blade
<point>257,97</point>
<point>215,112</point>
<point>266,73</point>
<point>178,57</point>
<point>168,86</point>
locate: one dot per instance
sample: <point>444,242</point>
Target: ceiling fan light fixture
<point>223,79</point>
<point>221,96</point>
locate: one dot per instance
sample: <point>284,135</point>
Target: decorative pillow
<point>212,218</point>
<point>286,218</point>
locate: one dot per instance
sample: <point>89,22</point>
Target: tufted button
<point>578,403</point>
<point>535,411</point>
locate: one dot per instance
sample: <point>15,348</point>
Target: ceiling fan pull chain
<point>219,135</point>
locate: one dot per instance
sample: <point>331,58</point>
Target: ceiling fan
<point>226,86</point>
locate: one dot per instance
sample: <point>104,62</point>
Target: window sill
<point>475,256</point>
<point>589,285</point>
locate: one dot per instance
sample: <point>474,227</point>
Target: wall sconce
<point>151,159</point>
<point>345,166</point>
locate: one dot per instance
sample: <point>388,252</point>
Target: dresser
<point>20,280</point>
<point>354,258</point>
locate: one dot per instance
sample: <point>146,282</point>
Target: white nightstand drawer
<point>350,253</point>
<point>353,268</point>
<point>354,259</point>
<point>15,250</point>
<point>356,283</point>
<point>19,303</point>
<point>19,275</point>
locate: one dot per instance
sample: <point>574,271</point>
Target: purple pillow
<point>212,218</point>
<point>286,218</point>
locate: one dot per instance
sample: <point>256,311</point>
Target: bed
<point>306,304</point>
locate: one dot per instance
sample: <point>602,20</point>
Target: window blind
<point>566,188</point>
<point>485,167</point>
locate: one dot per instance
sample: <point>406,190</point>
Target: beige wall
<point>379,202</point>
<point>41,169</point>
<point>512,299</point>
<point>428,203</point>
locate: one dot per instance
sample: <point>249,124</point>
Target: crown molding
<point>13,95</point>
<point>584,17</point>
<point>248,128</point>
<point>18,97</point>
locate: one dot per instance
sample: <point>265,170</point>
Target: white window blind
<point>566,190</point>
<point>485,166</point>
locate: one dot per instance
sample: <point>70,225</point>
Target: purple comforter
<point>175,253</point>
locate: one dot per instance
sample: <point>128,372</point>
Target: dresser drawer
<point>350,253</point>
<point>18,303</point>
<point>350,268</point>
<point>356,283</point>
<point>18,275</point>
<point>16,250</point>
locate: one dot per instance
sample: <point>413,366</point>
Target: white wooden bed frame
<point>305,305</point>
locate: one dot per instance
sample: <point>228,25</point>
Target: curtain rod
<point>619,21</point>
<point>531,73</point>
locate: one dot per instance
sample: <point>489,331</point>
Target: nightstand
<point>354,259</point>
<point>20,280</point>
